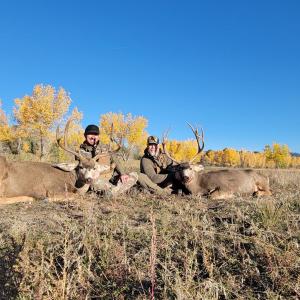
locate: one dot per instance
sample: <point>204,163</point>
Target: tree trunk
<point>42,147</point>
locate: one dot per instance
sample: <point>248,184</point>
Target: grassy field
<point>141,246</point>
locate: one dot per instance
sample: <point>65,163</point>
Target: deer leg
<point>12,200</point>
<point>61,197</point>
<point>220,195</point>
<point>120,188</point>
<point>262,190</point>
<point>262,193</point>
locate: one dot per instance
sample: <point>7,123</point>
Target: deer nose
<point>186,178</point>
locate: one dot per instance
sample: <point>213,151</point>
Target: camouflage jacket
<point>158,169</point>
<point>114,161</point>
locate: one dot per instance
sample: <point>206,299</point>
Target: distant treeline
<point>36,117</point>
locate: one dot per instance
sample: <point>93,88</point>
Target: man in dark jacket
<point>157,166</point>
<point>119,181</point>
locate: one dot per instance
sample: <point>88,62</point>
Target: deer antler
<point>164,141</point>
<point>65,145</point>
<point>110,152</point>
<point>198,139</point>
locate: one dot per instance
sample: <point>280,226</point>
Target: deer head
<point>88,169</point>
<point>186,170</point>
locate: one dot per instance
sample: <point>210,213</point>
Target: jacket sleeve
<point>148,169</point>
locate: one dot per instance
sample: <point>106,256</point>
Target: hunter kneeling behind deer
<point>158,169</point>
<point>220,184</point>
<point>114,181</point>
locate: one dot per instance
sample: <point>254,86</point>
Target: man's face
<point>92,139</point>
<point>152,149</point>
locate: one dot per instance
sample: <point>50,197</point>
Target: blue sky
<point>232,67</point>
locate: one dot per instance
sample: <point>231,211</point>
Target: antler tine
<point>65,146</point>
<point>113,140</point>
<point>119,144</point>
<point>164,141</point>
<point>66,131</point>
<point>198,139</point>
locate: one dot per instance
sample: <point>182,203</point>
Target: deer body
<point>27,180</point>
<point>220,184</point>
<point>34,179</point>
<point>227,183</point>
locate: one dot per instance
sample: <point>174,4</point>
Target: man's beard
<point>154,153</point>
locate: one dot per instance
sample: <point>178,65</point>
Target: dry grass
<point>103,248</point>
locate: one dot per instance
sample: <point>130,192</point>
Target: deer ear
<point>68,167</point>
<point>198,168</point>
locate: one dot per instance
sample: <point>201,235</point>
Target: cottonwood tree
<point>128,130</point>
<point>182,150</point>
<point>74,137</point>
<point>9,134</point>
<point>38,113</point>
<point>5,130</point>
<point>277,156</point>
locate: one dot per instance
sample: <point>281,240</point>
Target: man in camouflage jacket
<point>119,181</point>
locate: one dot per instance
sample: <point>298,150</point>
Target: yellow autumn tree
<point>218,157</point>
<point>231,157</point>
<point>277,156</point>
<point>295,162</point>
<point>74,138</point>
<point>182,150</point>
<point>9,133</point>
<point>5,129</point>
<point>252,159</point>
<point>128,130</point>
<point>210,157</point>
<point>37,114</point>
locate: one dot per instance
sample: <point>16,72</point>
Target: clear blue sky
<point>231,66</point>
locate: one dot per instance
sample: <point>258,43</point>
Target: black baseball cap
<point>92,129</point>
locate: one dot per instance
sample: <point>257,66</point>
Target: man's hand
<point>124,178</point>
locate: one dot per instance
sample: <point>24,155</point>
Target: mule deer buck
<point>25,180</point>
<point>219,184</point>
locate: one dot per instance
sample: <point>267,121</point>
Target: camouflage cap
<point>152,140</point>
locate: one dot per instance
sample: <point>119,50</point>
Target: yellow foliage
<point>39,113</point>
<point>6,133</point>
<point>252,160</point>
<point>182,150</point>
<point>75,135</point>
<point>127,129</point>
<point>231,157</point>
<point>295,162</point>
<point>26,147</point>
<point>278,156</point>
